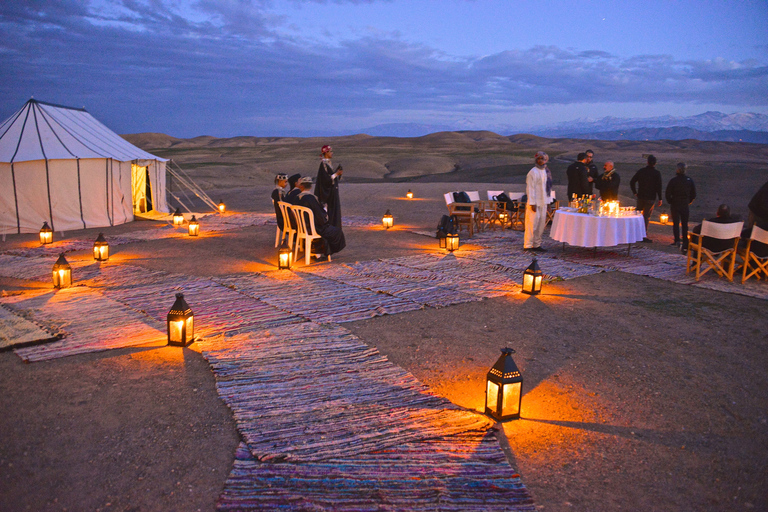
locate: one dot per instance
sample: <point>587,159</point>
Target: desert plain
<point>640,393</point>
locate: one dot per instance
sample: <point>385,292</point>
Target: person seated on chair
<point>332,235</point>
<point>715,244</point>
<point>292,197</point>
<point>279,195</point>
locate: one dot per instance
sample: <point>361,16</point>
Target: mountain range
<point>714,126</point>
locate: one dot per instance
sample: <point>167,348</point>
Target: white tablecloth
<point>586,230</point>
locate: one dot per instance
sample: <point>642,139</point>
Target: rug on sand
<point>16,331</point>
<point>463,472</point>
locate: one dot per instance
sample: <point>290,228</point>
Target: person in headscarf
<point>278,195</point>
<point>327,187</point>
<point>292,197</point>
<point>332,236</point>
<point>536,206</point>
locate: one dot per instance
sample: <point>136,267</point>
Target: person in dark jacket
<point>758,208</point>
<point>332,236</point>
<point>608,183</point>
<point>680,193</point>
<point>578,178</point>
<point>592,172</point>
<point>646,186</point>
<point>278,194</point>
<point>327,186</point>
<point>292,197</point>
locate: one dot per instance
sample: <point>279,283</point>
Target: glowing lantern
<point>504,217</point>
<point>194,226</point>
<point>178,218</point>
<point>532,278</point>
<point>62,273</point>
<point>441,238</point>
<point>409,194</point>
<point>388,221</point>
<point>181,323</point>
<point>504,388</point>
<point>222,207</point>
<point>664,218</point>
<point>101,248</point>
<point>452,240</point>
<point>46,234</point>
<point>284,256</point>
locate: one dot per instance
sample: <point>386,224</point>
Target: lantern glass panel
<point>511,399</point>
<point>176,331</point>
<point>528,282</point>
<point>492,397</point>
<point>62,278</point>
<point>190,332</point>
<point>452,242</point>
<point>194,229</point>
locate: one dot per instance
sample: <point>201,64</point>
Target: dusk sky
<point>303,67</point>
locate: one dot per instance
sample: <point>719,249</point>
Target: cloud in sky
<point>243,68</point>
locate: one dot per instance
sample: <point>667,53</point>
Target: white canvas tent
<point>62,166</point>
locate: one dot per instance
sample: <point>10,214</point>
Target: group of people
<point>324,202</point>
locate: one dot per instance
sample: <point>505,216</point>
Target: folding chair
<point>306,233</point>
<point>759,264</point>
<point>722,262</point>
<point>464,213</point>
<point>287,229</point>
<point>494,210</point>
<point>517,215</point>
<point>552,207</point>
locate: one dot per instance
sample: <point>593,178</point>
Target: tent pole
<point>16,199</point>
<point>80,194</point>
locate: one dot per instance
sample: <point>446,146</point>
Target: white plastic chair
<point>306,233</point>
<point>287,229</point>
<point>760,263</point>
<point>722,262</point>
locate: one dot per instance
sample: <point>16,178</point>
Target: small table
<point>584,230</point>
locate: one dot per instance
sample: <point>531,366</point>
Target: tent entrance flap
<point>141,189</point>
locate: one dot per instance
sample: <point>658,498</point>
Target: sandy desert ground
<point>641,393</point>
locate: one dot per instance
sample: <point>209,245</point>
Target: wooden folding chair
<point>288,228</point>
<point>517,216</point>
<point>306,233</point>
<point>755,265</point>
<point>493,210</point>
<point>552,207</point>
<point>464,213</point>
<point>722,262</point>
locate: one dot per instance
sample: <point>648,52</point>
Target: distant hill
<point>675,133</point>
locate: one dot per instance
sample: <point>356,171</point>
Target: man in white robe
<point>536,207</point>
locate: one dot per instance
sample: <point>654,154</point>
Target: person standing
<point>680,193</point>
<point>758,209</point>
<point>592,173</point>
<point>327,187</point>
<point>578,177</point>
<point>646,187</point>
<point>608,183</point>
<point>536,207</point>
<point>332,235</point>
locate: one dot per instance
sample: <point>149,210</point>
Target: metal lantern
<point>222,207</point>
<point>284,256</point>
<point>532,278</point>
<point>194,226</point>
<point>442,236</point>
<point>388,221</point>
<point>664,218</point>
<point>504,388</point>
<point>504,217</point>
<point>452,240</point>
<point>46,234</point>
<point>101,248</point>
<point>178,218</point>
<point>62,273</point>
<point>181,323</point>
<point>409,194</point>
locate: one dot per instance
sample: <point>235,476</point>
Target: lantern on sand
<point>178,218</point>
<point>452,240</point>
<point>532,278</point>
<point>387,220</point>
<point>664,218</point>
<point>46,234</point>
<point>409,194</point>
<point>101,248</point>
<point>194,226</point>
<point>284,256</point>
<point>181,323</point>
<point>503,217</point>
<point>62,273</point>
<point>222,207</point>
<point>504,388</point>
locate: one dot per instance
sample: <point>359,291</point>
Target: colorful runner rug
<point>16,331</point>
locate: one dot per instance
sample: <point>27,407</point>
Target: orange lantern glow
<point>178,218</point>
<point>532,278</point>
<point>222,207</point>
<point>101,248</point>
<point>504,388</point>
<point>194,226</point>
<point>62,273</point>
<point>664,218</point>
<point>388,221</point>
<point>284,256</point>
<point>181,323</point>
<point>46,234</point>
<point>409,194</point>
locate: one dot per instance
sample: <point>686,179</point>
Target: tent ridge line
<point>45,116</point>
<point>32,100</point>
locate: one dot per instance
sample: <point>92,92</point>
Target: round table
<point>584,230</point>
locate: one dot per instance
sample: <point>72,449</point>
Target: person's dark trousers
<point>680,217</point>
<point>647,208</point>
